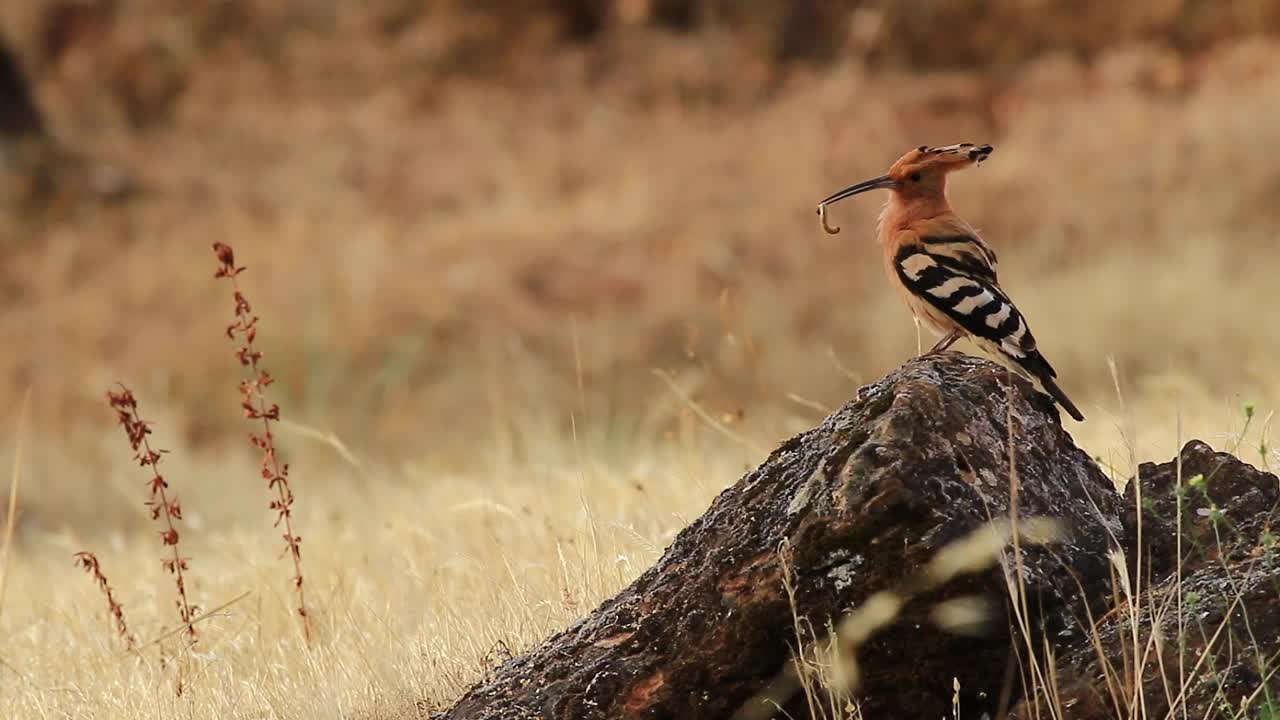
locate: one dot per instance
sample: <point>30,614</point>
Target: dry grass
<point>418,581</point>
<point>419,578</point>
<point>470,285</point>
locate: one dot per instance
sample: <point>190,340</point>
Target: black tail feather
<point>1052,388</point>
<point>1038,367</point>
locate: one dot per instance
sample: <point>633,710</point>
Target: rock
<point>1230,581</point>
<point>863,501</point>
<point>849,508</point>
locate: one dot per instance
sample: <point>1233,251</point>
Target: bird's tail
<point>1036,366</point>
<point>1052,388</point>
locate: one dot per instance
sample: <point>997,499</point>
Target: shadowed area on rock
<point>865,499</point>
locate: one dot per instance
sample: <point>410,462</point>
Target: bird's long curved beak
<point>884,182</point>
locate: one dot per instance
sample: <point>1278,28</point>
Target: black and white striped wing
<point>965,252</point>
<point>964,289</point>
<point>956,276</point>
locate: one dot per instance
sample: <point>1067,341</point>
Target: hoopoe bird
<point>943,270</point>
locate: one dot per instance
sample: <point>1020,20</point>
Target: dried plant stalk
<point>89,562</point>
<point>163,506</point>
<point>254,401</point>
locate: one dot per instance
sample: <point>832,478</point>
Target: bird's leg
<point>946,342</point>
<point>919,342</point>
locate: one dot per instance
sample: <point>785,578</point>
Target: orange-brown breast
<point>932,317</point>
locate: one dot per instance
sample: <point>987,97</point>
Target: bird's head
<point>921,173</point>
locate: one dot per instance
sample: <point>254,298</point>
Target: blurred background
<point>480,224</point>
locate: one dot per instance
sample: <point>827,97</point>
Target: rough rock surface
<point>1230,580</point>
<point>917,460</point>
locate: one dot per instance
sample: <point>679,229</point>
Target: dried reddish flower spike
<point>227,261</point>
<point>253,401</point>
<point>89,562</point>
<point>161,504</point>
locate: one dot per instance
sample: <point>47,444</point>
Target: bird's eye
<point>915,177</point>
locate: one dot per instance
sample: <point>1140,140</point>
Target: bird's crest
<point>945,157</point>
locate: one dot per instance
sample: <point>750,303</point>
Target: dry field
<point>525,329</point>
